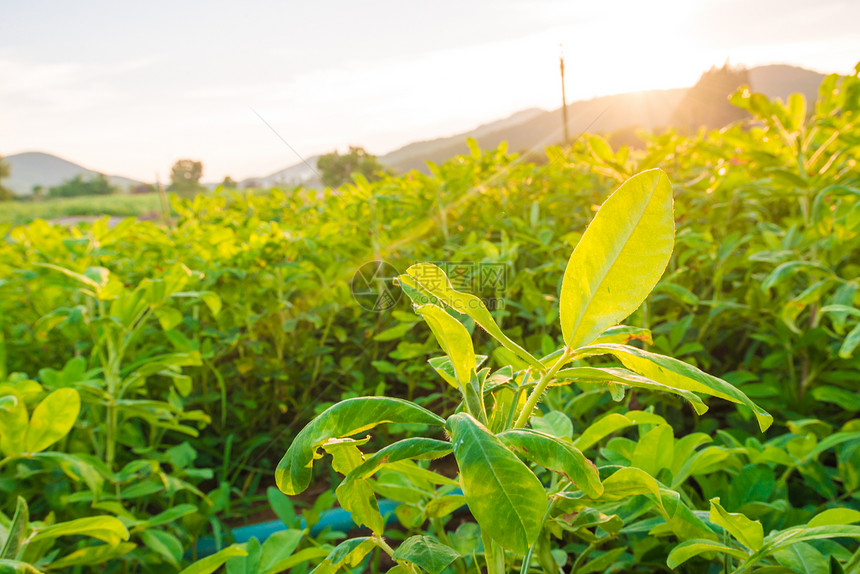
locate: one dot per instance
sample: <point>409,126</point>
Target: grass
<point>124,205</point>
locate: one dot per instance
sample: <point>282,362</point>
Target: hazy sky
<point>128,88</point>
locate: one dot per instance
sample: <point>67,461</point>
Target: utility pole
<point>563,98</point>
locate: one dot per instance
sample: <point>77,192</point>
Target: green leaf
<point>281,505</point>
<point>444,505</point>
<point>655,450</point>
<point>105,528</point>
<point>17,567</point>
<point>691,548</point>
<point>164,544</point>
<point>426,552</point>
<point>554,423</point>
<point>619,259</point>
<point>834,516</point>
<point>212,563</point>
<point>678,375</point>
<point>628,378</point>
<point>611,423</point>
<point>346,418</point>
<point>356,495</point>
<point>93,555</point>
<point>846,399</point>
<point>297,558</point>
<point>278,548</point>
<point>348,553</point>
<point>556,455</point>
<point>852,339</point>
<point>454,339</point>
<point>17,530</point>
<point>803,557</point>
<point>169,515</point>
<point>505,497</point>
<point>748,532</point>
<point>168,317</point>
<point>13,427</point>
<point>630,481</point>
<point>432,282</point>
<point>52,419</point>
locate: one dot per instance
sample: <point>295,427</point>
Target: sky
<point>128,88</point>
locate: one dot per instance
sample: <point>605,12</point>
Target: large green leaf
<point>678,375</point>
<point>52,419</point>
<point>344,419</point>
<point>748,532</point>
<point>454,339</point>
<point>556,455</point>
<point>628,378</point>
<point>691,548</point>
<point>619,259</point>
<point>504,496</point>
<point>105,528</point>
<point>431,282</point>
<point>426,552</point>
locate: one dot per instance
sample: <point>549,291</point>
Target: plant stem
<point>534,397</point>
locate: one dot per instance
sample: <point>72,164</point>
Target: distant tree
<point>38,191</point>
<point>336,170</point>
<point>229,183</point>
<point>185,176</point>
<point>78,186</point>
<point>5,193</point>
<point>707,103</point>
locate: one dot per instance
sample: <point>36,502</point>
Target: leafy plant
<point>613,268</point>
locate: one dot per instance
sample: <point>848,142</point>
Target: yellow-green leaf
<point>619,259</point>
<point>748,532</point>
<point>52,419</point>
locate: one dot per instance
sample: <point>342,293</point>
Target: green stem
<point>493,555</point>
<point>545,380</point>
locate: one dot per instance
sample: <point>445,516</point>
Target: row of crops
<point>153,375</point>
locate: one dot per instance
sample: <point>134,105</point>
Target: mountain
<point>36,168</point>
<point>538,128</point>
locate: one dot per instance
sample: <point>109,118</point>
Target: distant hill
<point>535,129</point>
<point>36,168</point>
<point>299,174</point>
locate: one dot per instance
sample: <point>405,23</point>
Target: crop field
<point>616,360</point>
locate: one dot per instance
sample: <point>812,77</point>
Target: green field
<point>20,212</point>
<point>615,360</point>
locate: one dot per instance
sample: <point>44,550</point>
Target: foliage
<point>191,346</point>
<point>337,170</point>
<point>79,187</point>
